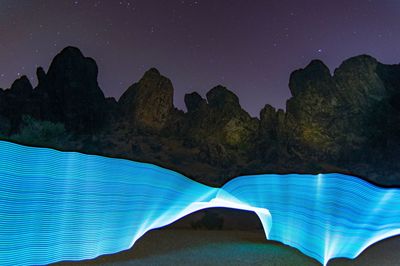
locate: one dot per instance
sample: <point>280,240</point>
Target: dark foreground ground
<point>229,247</point>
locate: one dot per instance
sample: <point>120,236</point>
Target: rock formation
<point>345,118</point>
<point>148,103</point>
<point>69,92</point>
<point>219,119</point>
<point>348,121</point>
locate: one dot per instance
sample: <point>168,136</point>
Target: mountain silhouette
<point>347,122</point>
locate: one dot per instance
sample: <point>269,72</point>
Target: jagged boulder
<point>194,102</point>
<point>220,118</point>
<point>21,88</point>
<point>342,116</point>
<point>148,103</point>
<point>69,92</point>
<point>223,99</point>
<point>315,75</point>
<point>348,121</point>
<point>41,75</point>
<point>275,136</point>
<point>268,121</point>
<point>13,104</point>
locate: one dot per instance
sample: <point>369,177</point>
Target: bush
<point>41,133</point>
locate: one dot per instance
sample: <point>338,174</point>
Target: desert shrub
<point>41,133</point>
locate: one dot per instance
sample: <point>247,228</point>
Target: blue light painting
<point>58,206</point>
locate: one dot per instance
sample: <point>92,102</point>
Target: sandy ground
<point>229,247</point>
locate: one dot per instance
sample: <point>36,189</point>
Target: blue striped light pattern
<point>58,206</point>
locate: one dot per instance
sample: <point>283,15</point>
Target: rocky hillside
<point>346,122</point>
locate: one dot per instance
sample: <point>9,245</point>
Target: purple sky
<point>249,46</point>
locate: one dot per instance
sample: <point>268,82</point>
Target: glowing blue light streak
<point>69,206</point>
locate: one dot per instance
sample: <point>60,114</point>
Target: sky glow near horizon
<point>251,47</point>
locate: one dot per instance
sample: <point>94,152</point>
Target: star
<point>182,35</point>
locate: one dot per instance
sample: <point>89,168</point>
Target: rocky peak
<point>272,121</point>
<point>149,102</point>
<point>220,97</point>
<point>21,87</point>
<point>194,101</point>
<point>13,103</point>
<point>357,64</point>
<point>219,120</point>
<point>332,114</point>
<point>359,81</point>
<point>69,92</point>
<point>40,74</point>
<point>268,113</point>
<point>314,74</point>
<point>152,73</point>
<point>348,121</point>
<point>71,69</point>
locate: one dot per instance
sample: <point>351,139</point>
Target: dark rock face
<point>148,103</point>
<point>274,135</point>
<point>348,121</point>
<point>21,88</point>
<point>194,101</point>
<point>69,92</point>
<point>221,98</point>
<point>314,75</point>
<point>41,75</point>
<point>344,119</point>
<point>13,104</point>
<point>220,119</point>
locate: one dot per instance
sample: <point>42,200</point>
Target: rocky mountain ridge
<point>348,121</point>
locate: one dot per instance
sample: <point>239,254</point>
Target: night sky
<point>249,46</point>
